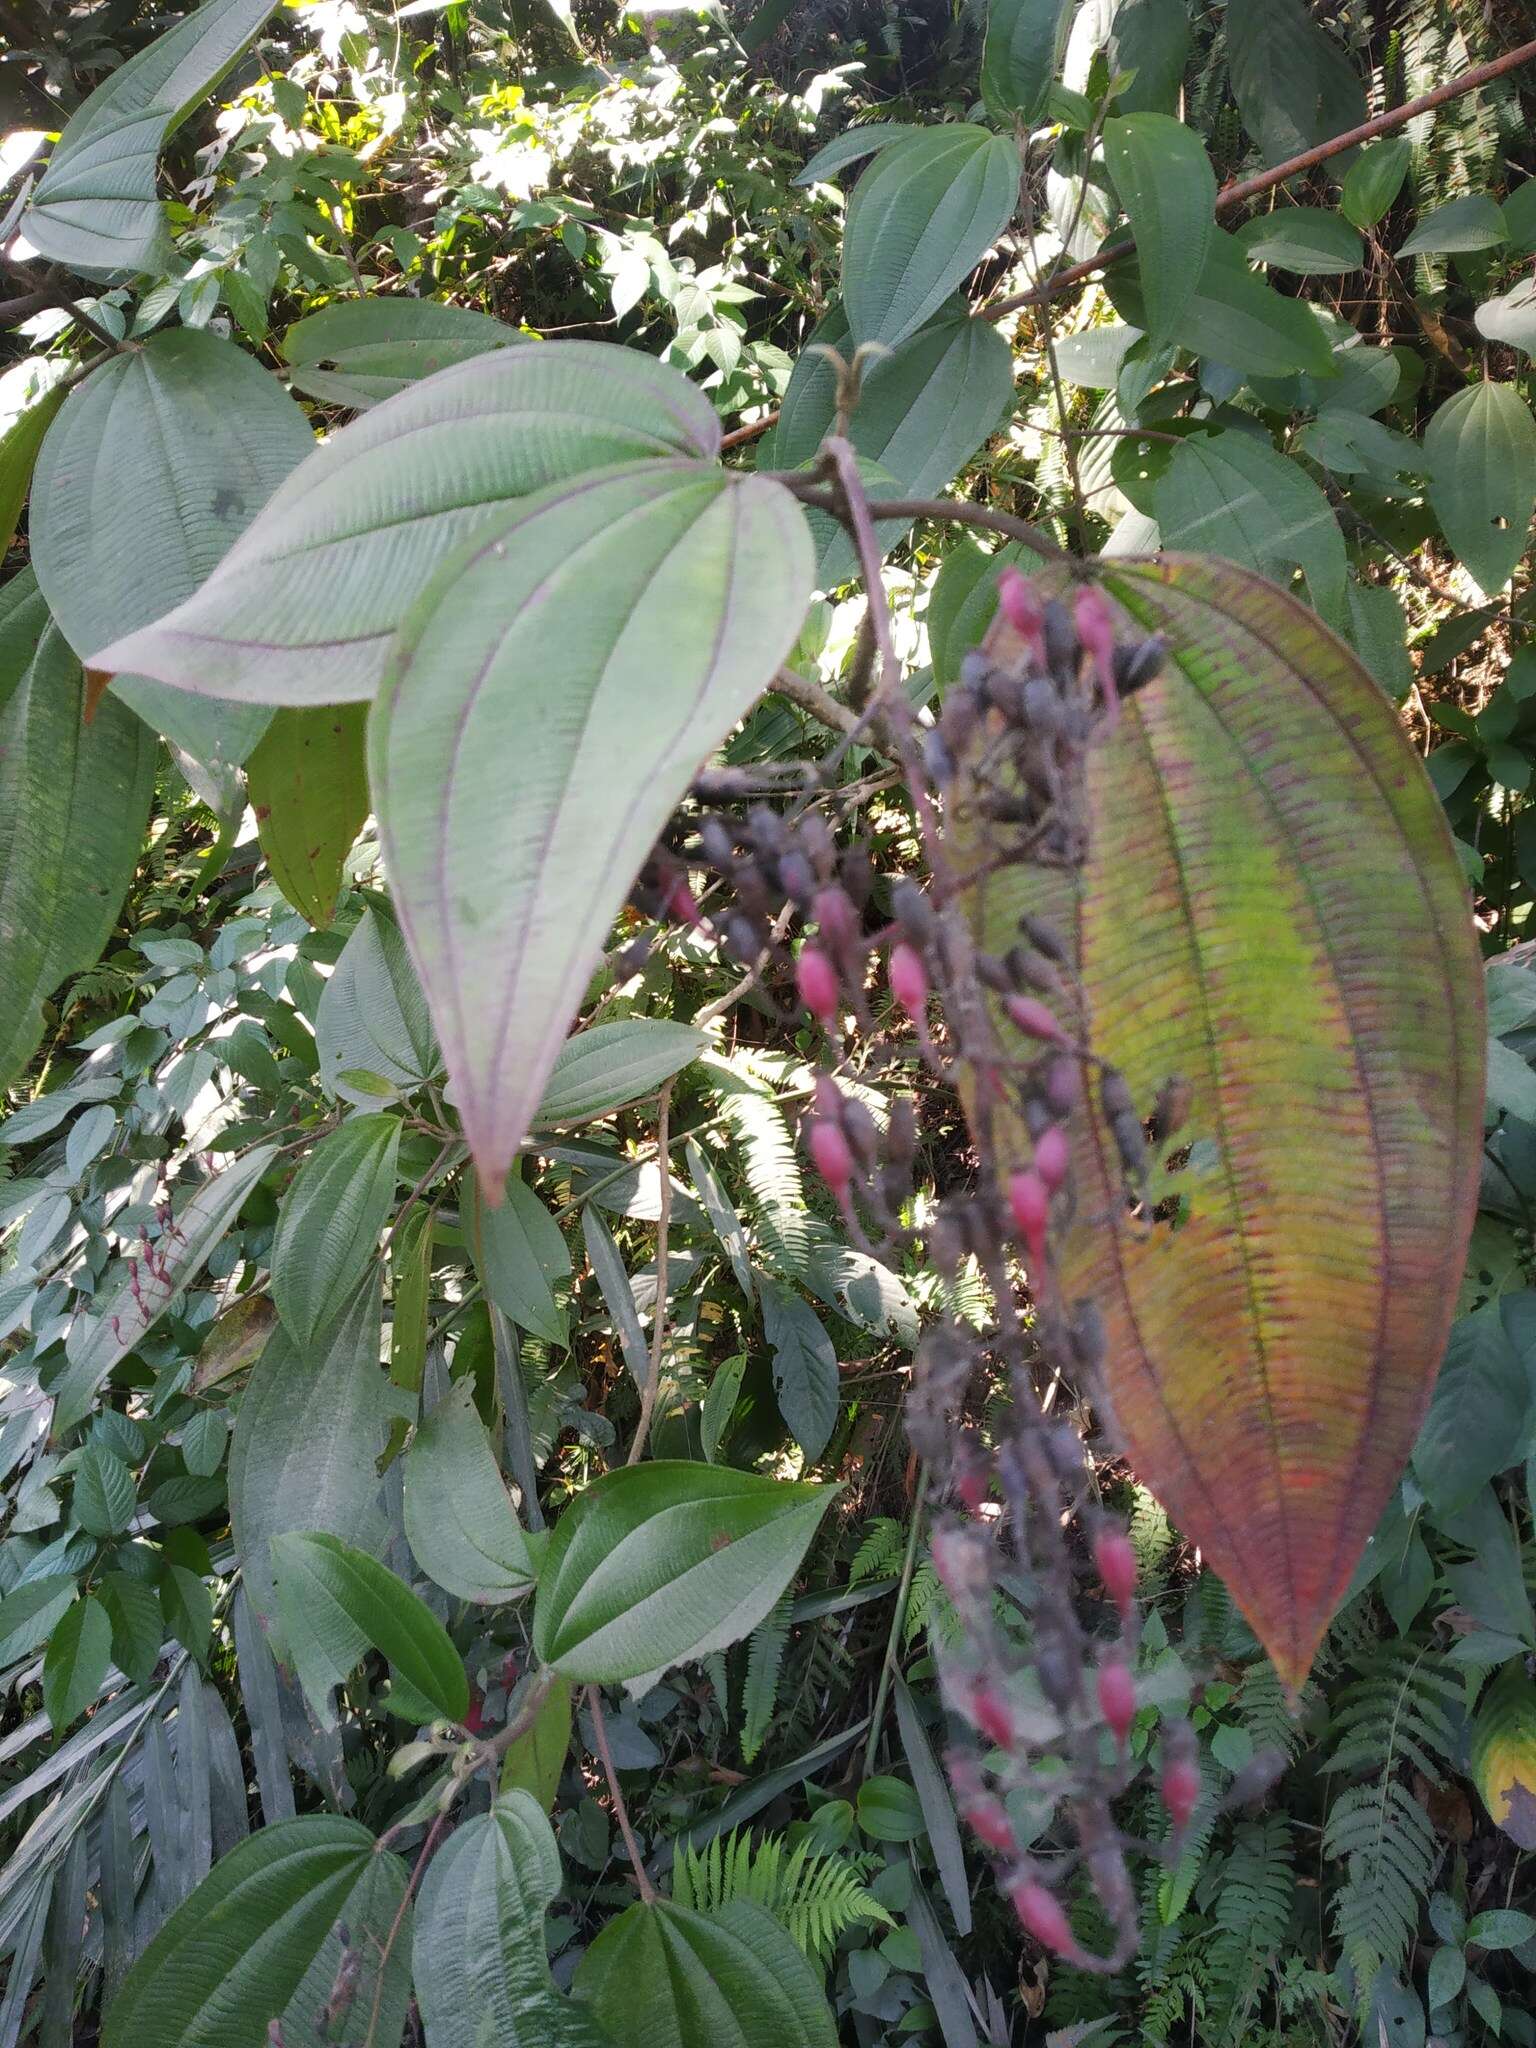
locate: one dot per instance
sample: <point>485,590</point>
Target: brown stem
<point>620,1810</point>
<point>946,511</point>
<point>1243,189</point>
<point>811,697</point>
<point>659,1324</point>
<point>491,1753</point>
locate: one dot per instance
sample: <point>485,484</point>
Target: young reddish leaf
<point>1271,910</point>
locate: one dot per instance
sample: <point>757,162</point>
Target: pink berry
<point>993,1717</point>
<point>834,912</point>
<point>909,979</point>
<point>834,1161</point>
<point>1021,607</point>
<point>1053,1156</point>
<point>682,904</point>
<point>1116,1564</point>
<point>988,1822</point>
<point>1096,629</point>
<point>1034,1019</point>
<point>816,979</point>
<point>1062,1087</point>
<point>1117,1698</point>
<point>829,1098</point>
<point>1030,1200</point>
<point>1041,1915</point>
<point>1180,1787</point>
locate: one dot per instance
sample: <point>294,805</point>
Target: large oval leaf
<point>1164,180</point>
<point>337,1602</point>
<point>460,1523</point>
<point>1481,451</point>
<point>309,791</point>
<point>153,467</point>
<point>372,1030</point>
<point>1233,317</point>
<point>614,1064</point>
<point>303,611</point>
<point>479,1957</point>
<point>74,800</point>
<point>663,1562</point>
<point>1272,911</point>
<point>359,352</point>
<point>1025,43</point>
<point>661,1976</point>
<point>330,1222</point>
<point>600,637</point>
<point>95,209</point>
<point>232,1955</point>
<point>921,218</point>
<point>1503,1754</point>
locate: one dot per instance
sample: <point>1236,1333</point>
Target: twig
<point>659,1319</point>
<point>739,436</point>
<point>811,697</point>
<point>490,1753</point>
<point>898,1621</point>
<point>945,511</point>
<point>434,1835</point>
<point>620,1810</point>
<point>1243,189</point>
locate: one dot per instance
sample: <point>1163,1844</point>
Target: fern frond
<point>777,1211</point>
<point>1389,1846</point>
<point>1401,1709</point>
<point>1151,1536</point>
<point>814,1897</point>
<point>765,1660</point>
<point>880,1551</point>
<point>1252,1895</point>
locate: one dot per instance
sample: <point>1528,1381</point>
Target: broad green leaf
<point>1303,239</point>
<point>612,1065</point>
<point>605,634</point>
<point>851,147</point>
<point>1233,495</point>
<point>660,1563</point>
<point>328,1228</point>
<point>479,1956</point>
<point>1272,910</point>
<point>74,802</point>
<point>104,1492</point>
<point>28,1616</point>
<point>1480,448</point>
<point>923,412</point>
<point>373,1016</point>
<point>359,352</point>
<point>309,791</point>
<point>1293,84</point>
<point>1234,317</point>
<point>310,1429</point>
<point>410,1286</point>
<point>890,1810</point>
<point>1093,357</point>
<point>362,1925</point>
<point>1461,225</point>
<point>207,435</point>
<point>805,1381</point>
<point>721,1211</point>
<point>1374,180</point>
<point>1022,53</point>
<point>121,1315</point>
<point>337,1602</point>
<point>1149,38</point>
<point>1479,1409</point>
<point>519,1252</point>
<point>1511,317</point>
<point>236,1950</point>
<point>41,394</point>
<point>964,600</point>
<point>203,1442</point>
<point>303,611</point>
<point>534,1762</point>
<point>138,1627</point>
<point>1165,182</point>
<point>662,1976</point>
<point>1503,1754</point>
<point>936,1802</point>
<point>78,1653</point>
<point>459,1520</point>
<point>921,218</point>
<point>719,1404</point>
<point>613,1282</point>
<point>95,209</point>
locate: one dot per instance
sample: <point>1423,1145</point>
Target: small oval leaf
<point>329,1226</point>
<point>337,1602</point>
<point>459,1521</point>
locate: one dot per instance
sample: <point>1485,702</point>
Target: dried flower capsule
<point>862,1133</point>
<point>1115,1561</point>
<point>901,1136</point>
<point>830,1100</point>
<point>1040,1914</point>
<point>743,939</point>
<point>816,979</point>
<point>1034,1019</point>
<point>1062,646</point>
<point>1115,1097</point>
<point>1044,938</point>
<point>766,830</point>
<point>1063,1087</point>
<point>1085,1333</point>
<point>835,914</point>
<point>1131,1144</point>
<point>1040,705</point>
<point>1030,1200</point>
<point>858,875</point>
<point>909,978</point>
<point>1019,603</point>
<point>681,903</point>
<point>1053,1157</point>
<point>938,760</point>
<point>1170,1111</point>
<point>717,842</point>
<point>833,1156</point>
<point>797,878</point>
<point>1117,1698</point>
<point>914,913</point>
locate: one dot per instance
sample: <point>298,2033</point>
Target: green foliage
<point>816,1898</point>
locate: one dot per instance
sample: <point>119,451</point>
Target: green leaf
<point>22,438</point>
<point>203,1441</point>
<point>719,1404</point>
<point>937,1805</point>
<point>661,1976</point>
<point>1511,318</point>
<point>1025,43</point>
<point>373,1016</point>
<point>371,522</point>
<point>890,1810</point>
<point>328,1228</point>
<point>1149,38</point>
<point>186,1605</point>
<point>95,209</point>
<point>309,791</point>
<point>1374,180</point>
<point>236,1950</point>
<point>74,802</point>
<point>311,1427</point>
<point>1503,1753</point>
<point>1460,226</point>
<point>1231,494</point>
<point>410,1282</point>
<point>921,218</point>
<point>28,1616</point>
<point>661,1563</point>
<point>1093,358</point>
<point>133,1608</point>
<point>1165,182</point>
<point>1499,1928</point>
<point>805,1381</point>
<point>1447,1974</point>
<point>1480,448</point>
<point>1293,84</point>
<point>1264,782</point>
<point>964,601</point>
<point>359,352</point>
<point>1303,239</point>
<point>76,1663</point>
<point>104,1492</point>
<point>722,1215</point>
<point>337,1602</point>
<point>479,1955</point>
<point>851,147</point>
<point>363,1926</point>
<point>519,1252</point>
<point>459,1521</point>
<point>613,1283</point>
<point>206,435</point>
<point>1234,317</point>
<point>1477,1414</point>
<point>604,635</point>
<point>534,1762</point>
<point>612,1065</point>
<point>122,1315</point>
